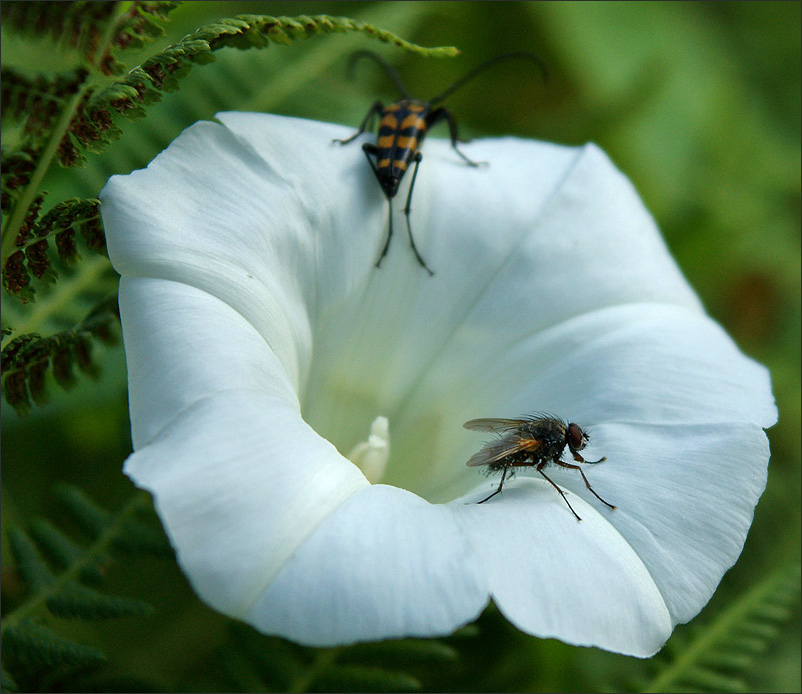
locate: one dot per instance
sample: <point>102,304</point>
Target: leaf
<point>62,550</point>
<point>31,644</point>
<point>724,650</point>
<point>75,600</point>
<point>27,359</point>
<point>93,126</point>
<point>32,568</point>
<point>85,512</point>
<point>356,678</point>
<point>57,230</point>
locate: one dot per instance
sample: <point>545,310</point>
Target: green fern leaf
<point>93,519</point>
<point>63,551</point>
<point>27,359</point>
<point>68,24</point>
<point>357,678</point>
<point>30,565</point>
<point>17,167</point>
<point>145,84</point>
<point>35,100</point>
<point>137,537</point>
<point>400,653</point>
<point>56,228</point>
<point>77,601</point>
<point>31,645</point>
<point>723,651</point>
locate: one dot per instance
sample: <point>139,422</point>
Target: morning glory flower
<point>297,412</point>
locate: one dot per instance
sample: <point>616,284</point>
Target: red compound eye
<point>576,437</point>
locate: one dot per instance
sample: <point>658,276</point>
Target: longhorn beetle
<point>402,127</point>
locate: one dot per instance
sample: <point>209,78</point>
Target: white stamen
<point>371,456</point>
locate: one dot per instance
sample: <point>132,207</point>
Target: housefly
<point>531,442</point>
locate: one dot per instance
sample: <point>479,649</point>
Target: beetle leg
<point>443,114</point>
<point>408,209</point>
<point>587,484</point>
<point>367,121</point>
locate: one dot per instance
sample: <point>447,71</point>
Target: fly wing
<point>497,426</point>
<point>501,448</point>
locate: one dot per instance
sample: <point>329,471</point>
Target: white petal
<point>212,213</point>
<point>385,564</point>
<point>686,496</point>
<point>650,363</point>
<point>183,345</point>
<point>238,478</point>
<point>553,576</point>
<point>240,482</point>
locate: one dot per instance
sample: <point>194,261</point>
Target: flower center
<point>371,456</point>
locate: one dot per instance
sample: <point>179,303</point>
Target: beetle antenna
<point>484,66</point>
<point>381,62</point>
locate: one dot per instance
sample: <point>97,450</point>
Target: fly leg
<point>407,210</point>
<point>504,474</point>
<point>587,484</point>
<point>442,114</point>
<point>375,110</point>
<point>539,468</point>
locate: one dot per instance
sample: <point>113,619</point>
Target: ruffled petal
<point>385,564</point>
<point>555,577</point>
<point>238,478</point>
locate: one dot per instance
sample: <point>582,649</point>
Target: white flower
<point>263,345</point>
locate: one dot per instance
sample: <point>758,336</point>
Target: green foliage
<point>28,359</point>
<point>72,114</point>
<point>249,661</point>
<point>704,119</point>
<point>52,585</point>
<point>717,656</point>
<point>56,229</point>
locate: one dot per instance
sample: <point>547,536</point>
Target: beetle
<point>402,128</point>
<point>534,442</point>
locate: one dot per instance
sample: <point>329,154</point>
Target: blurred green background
<point>698,103</point>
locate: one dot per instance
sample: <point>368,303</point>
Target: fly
<point>531,442</point>
<point>402,127</point>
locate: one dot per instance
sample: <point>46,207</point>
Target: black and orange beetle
<point>402,127</point>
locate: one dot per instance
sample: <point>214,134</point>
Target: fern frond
<point>17,167</point>
<point>77,601</point>
<point>83,26</point>
<point>29,358</point>
<point>137,537</point>
<point>92,518</point>
<point>35,100</point>
<point>30,565</point>
<point>31,645</point>
<point>145,84</point>
<point>62,550</point>
<point>57,227</point>
<point>723,651</point>
<point>140,25</point>
<point>359,678</point>
<point>31,650</point>
<point>68,24</point>
<point>400,653</point>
